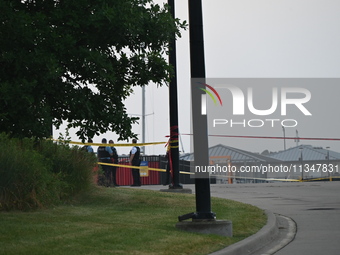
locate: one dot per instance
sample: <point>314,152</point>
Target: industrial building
<point>303,162</point>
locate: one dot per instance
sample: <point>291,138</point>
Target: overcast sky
<point>253,39</point>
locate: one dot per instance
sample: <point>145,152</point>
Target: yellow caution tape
<point>252,178</point>
<point>114,144</point>
<point>140,167</point>
<point>276,179</point>
<point>319,179</point>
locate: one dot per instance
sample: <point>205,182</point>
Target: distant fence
<point>124,176</point>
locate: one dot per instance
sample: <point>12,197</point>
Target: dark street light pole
<point>199,121</point>
<point>173,108</point>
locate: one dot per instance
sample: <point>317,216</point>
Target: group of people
<point>108,154</point>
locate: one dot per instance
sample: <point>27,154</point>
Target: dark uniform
<point>135,162</point>
<point>104,155</point>
<point>114,160</point>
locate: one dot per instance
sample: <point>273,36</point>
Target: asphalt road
<point>314,206</point>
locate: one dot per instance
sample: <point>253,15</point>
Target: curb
<point>255,242</point>
<point>288,237</point>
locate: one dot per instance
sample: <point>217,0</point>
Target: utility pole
<point>297,139</point>
<point>284,137</point>
<point>143,119</point>
<point>301,159</point>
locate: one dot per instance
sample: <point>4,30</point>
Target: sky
<point>252,39</point>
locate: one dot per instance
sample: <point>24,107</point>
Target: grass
<point>122,221</point>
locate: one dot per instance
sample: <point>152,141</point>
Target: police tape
<point>332,178</point>
<point>113,144</point>
<point>227,177</point>
<point>256,178</point>
<point>275,137</point>
<point>140,167</point>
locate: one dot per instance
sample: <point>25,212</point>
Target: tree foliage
<point>76,61</point>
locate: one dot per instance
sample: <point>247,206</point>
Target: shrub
<point>71,164</point>
<point>39,173</point>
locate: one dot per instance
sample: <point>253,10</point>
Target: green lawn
<point>122,221</point>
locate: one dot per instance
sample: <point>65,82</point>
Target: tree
<point>76,61</point>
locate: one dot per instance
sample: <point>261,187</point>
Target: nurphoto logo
<point>243,103</point>
<point>204,97</point>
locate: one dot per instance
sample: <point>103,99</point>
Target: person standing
<point>89,147</point>
<point>104,155</point>
<point>114,159</point>
<point>135,161</point>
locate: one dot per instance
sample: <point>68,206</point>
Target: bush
<point>72,165</point>
<point>39,173</point>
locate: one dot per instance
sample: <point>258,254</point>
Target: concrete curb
<point>255,242</point>
<point>285,239</point>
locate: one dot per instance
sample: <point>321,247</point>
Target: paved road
<point>314,206</point>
